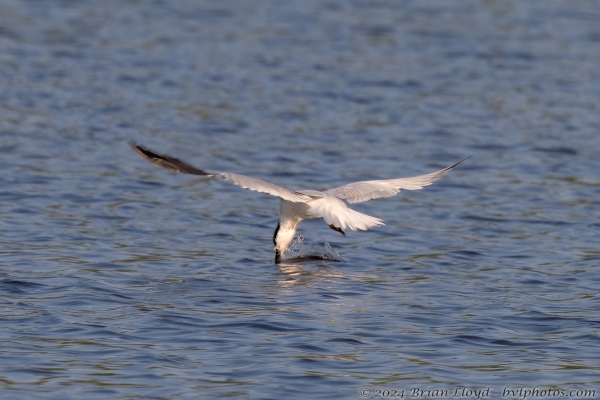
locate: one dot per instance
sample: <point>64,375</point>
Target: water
<point>318,248</point>
<point>120,280</point>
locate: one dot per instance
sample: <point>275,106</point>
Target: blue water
<point>124,281</point>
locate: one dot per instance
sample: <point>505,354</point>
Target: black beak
<point>277,257</point>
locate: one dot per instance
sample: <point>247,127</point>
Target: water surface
<point>120,280</point>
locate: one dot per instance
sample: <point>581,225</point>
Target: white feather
<point>358,192</point>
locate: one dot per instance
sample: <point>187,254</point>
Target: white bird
<point>297,205</point>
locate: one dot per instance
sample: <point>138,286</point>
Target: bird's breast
<point>296,212</point>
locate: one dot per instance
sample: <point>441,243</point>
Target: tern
<point>298,205</point>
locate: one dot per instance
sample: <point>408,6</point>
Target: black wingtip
<point>138,148</point>
<point>454,165</point>
<point>142,150</point>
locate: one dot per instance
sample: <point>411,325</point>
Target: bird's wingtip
<point>143,151</point>
<point>455,164</point>
<point>138,148</point>
<point>464,159</point>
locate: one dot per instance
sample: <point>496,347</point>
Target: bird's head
<point>282,239</point>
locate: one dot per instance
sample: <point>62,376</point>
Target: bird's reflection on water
<point>305,271</point>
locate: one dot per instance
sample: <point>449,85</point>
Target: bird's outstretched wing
<point>246,182</point>
<point>358,192</point>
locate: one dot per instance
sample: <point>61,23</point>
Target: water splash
<point>307,248</point>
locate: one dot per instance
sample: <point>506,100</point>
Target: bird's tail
<point>356,220</point>
<point>335,212</point>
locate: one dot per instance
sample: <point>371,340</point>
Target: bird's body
<point>308,204</point>
<point>323,205</point>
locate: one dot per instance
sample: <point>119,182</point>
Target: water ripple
<point>120,280</point>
